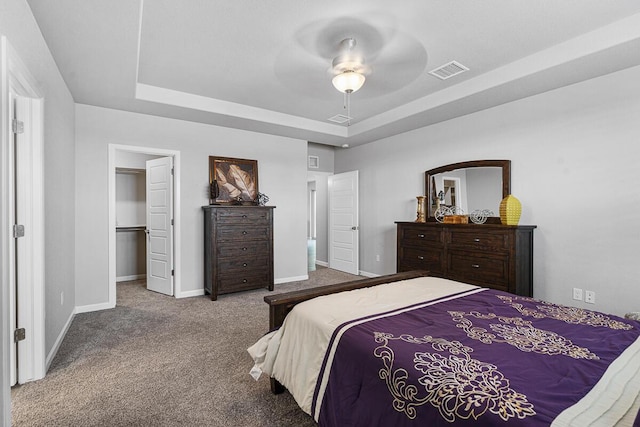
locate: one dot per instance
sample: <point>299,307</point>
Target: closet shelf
<point>131,228</point>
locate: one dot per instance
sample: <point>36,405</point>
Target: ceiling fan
<point>347,52</point>
<point>349,71</point>
<point>348,67</point>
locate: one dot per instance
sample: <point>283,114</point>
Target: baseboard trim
<point>367,274</point>
<point>58,342</point>
<point>291,279</point>
<point>131,277</point>
<point>94,307</point>
<point>322,263</point>
<point>189,294</point>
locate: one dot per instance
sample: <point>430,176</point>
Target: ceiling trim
<point>596,41</point>
<point>612,35</point>
<point>176,98</point>
<point>145,92</point>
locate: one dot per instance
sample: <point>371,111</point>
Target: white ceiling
<point>263,65</point>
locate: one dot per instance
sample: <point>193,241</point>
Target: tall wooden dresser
<point>238,248</point>
<point>490,255</point>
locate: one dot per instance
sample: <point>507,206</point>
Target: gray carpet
<point>159,361</point>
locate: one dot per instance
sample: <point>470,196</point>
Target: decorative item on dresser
<point>421,211</point>
<point>238,248</point>
<point>510,210</point>
<point>233,181</point>
<point>494,256</point>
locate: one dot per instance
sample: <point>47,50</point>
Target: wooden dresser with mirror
<point>491,254</point>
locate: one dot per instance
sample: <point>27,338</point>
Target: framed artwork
<point>233,180</point>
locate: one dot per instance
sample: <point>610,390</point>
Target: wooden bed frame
<point>281,304</point>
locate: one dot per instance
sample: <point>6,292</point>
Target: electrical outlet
<point>577,294</point>
<point>62,298</point>
<point>590,297</point>
<point>378,257</point>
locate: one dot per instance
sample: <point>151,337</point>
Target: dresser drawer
<point>242,232</point>
<point>487,269</point>
<point>240,282</point>
<point>248,248</point>
<point>478,239</point>
<point>424,258</point>
<point>242,216</point>
<point>242,265</point>
<point>418,236</point>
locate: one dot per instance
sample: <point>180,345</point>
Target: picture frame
<point>233,181</point>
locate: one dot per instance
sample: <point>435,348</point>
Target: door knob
<point>355,227</point>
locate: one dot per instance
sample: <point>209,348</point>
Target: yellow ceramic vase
<point>510,210</point>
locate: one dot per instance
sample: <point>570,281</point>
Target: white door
<point>343,222</point>
<point>159,225</point>
<point>23,316</point>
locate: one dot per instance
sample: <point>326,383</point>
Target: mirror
<point>479,184</point>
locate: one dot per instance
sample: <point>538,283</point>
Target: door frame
<point>113,149</point>
<point>31,299</point>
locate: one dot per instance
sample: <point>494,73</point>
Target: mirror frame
<point>506,180</point>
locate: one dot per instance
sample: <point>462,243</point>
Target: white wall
<point>282,175</point>
<point>325,155</point>
<point>18,25</point>
<point>131,199</point>
<point>575,153</point>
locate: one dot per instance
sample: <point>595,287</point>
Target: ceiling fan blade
<point>322,38</point>
<point>399,64</point>
<point>303,72</point>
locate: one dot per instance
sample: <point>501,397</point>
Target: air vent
<point>314,162</point>
<point>339,118</point>
<point>451,69</point>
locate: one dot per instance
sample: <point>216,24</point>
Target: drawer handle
<point>475,265</point>
<point>244,232</point>
<point>244,264</point>
<point>244,249</point>
<point>421,236</point>
<point>476,240</point>
<point>244,280</point>
<point>420,257</point>
<point>244,216</point>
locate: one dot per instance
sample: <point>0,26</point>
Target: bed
<point>408,349</point>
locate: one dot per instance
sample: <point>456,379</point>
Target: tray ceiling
<point>264,66</point>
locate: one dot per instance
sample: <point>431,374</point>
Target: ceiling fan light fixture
<point>348,81</point>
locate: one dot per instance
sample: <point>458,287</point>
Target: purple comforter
<point>484,359</point>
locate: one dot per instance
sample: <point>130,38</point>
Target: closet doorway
<point>133,240</point>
